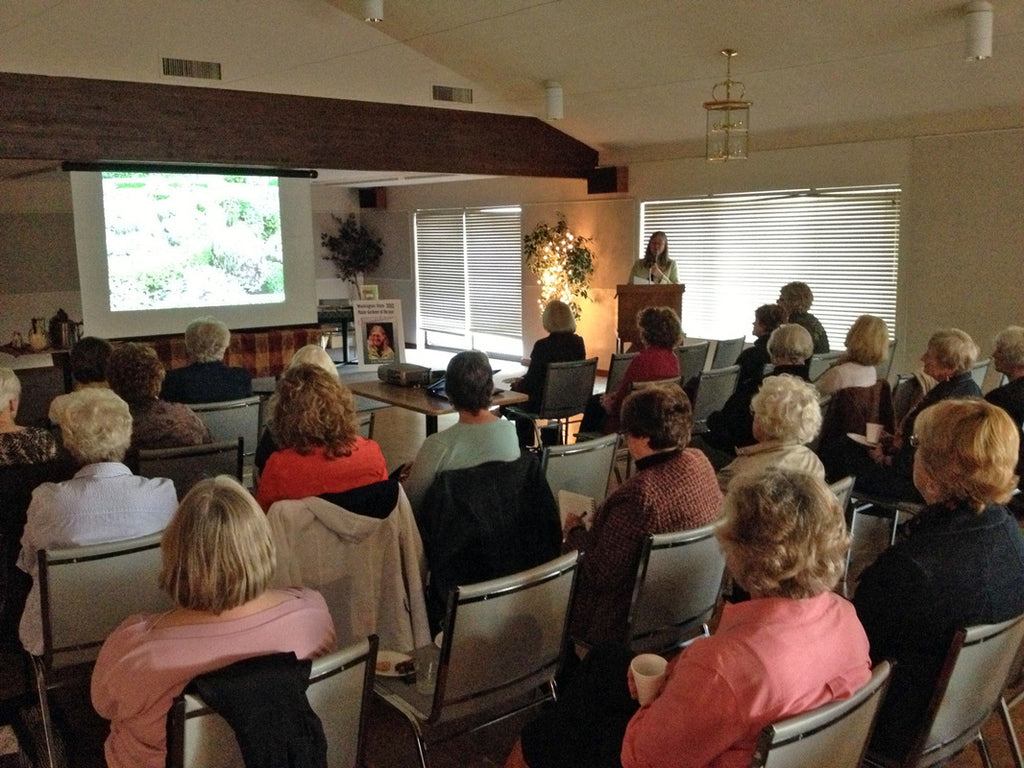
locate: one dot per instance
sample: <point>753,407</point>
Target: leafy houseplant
<point>562,263</point>
<point>354,250</point>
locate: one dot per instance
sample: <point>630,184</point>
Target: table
<point>420,400</point>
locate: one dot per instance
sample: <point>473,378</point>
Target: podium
<point>633,298</point>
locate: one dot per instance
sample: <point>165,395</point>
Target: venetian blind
<point>734,252</point>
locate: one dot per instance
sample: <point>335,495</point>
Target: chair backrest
<point>979,371</point>
<point>692,359</point>
<point>826,404</point>
<point>503,638</point>
<point>835,734</point>
<point>906,393</point>
<point>339,692</point>
<point>617,368</point>
<point>231,419</point>
<point>85,592</point>
<point>726,352</point>
<point>581,467</point>
<point>883,368</point>
<point>970,686</point>
<point>189,464</point>
<point>820,362</point>
<point>713,388</point>
<point>677,585</point>
<point>843,489</point>
<point>366,420</point>
<point>567,388</point>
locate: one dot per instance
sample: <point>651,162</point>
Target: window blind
<point>734,252</point>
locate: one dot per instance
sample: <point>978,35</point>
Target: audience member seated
<point>962,562</point>
<point>320,449</point>
<point>887,469</point>
<point>311,354</point>
<point>754,358</point>
<point>786,417</point>
<point>20,446</point>
<point>135,373</point>
<point>795,645</point>
<point>1008,358</point>
<point>103,502</point>
<point>867,345</point>
<point>561,345</point>
<point>478,437</point>
<point>732,427</point>
<point>206,379</point>
<point>674,489</point>
<point>796,299</point>
<point>218,559</point>
<point>362,551</point>
<point>660,332</point>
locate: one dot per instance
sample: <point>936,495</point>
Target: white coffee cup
<point>648,670</point>
<point>873,432</point>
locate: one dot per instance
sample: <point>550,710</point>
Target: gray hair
<point>207,339</point>
<point>314,354</point>
<point>790,343</point>
<point>557,318</point>
<point>10,387</point>
<point>1009,351</point>
<point>96,425</point>
<point>953,348</point>
<point>787,409</point>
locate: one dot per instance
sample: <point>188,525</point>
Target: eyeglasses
<point>914,441</point>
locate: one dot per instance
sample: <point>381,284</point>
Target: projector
<point>404,374</point>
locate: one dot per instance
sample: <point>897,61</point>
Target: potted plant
<point>354,249</point>
<point>562,263</point>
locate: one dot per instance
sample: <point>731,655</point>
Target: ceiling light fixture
<point>373,11</point>
<point>978,40</point>
<point>553,102</point>
<point>728,118</point>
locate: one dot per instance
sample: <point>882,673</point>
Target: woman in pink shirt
<point>218,559</point>
<point>795,645</point>
<point>320,449</point>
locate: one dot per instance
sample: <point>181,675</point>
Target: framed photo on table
<point>379,334</point>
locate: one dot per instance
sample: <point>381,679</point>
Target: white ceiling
<point>634,72</point>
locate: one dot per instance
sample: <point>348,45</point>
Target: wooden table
<point>420,400</point>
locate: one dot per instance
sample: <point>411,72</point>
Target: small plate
<point>860,439</point>
<point>438,639</point>
<point>388,660</point>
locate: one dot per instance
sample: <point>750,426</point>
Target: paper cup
<point>648,670</point>
<point>426,668</point>
<point>873,432</point>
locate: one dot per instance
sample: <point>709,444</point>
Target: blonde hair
<point>10,387</point>
<point>787,409</point>
<point>95,423</point>
<point>314,354</point>
<point>207,339</point>
<point>217,549</point>
<point>790,343</point>
<point>867,341</point>
<point>970,449</point>
<point>1009,351</point>
<point>784,534</point>
<point>557,318</point>
<point>953,348</point>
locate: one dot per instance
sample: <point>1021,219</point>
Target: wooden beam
<point>64,118</point>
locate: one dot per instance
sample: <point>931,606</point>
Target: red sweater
<point>290,475</point>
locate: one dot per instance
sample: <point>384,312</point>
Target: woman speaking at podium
<point>654,266</point>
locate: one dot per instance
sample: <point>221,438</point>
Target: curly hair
<point>969,449</point>
<point>953,348</point>
<point>786,408</point>
<point>1009,351</point>
<point>796,296</point>
<point>867,341</point>
<point>790,344</point>
<point>469,382</point>
<point>207,339</point>
<point>661,413</point>
<point>10,387</point>
<point>313,409</point>
<point>135,372</point>
<point>95,424</point>
<point>783,534</point>
<point>770,316</point>
<point>659,327</point>
<point>217,550</point>
<point>89,359</point>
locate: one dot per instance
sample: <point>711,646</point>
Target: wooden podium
<point>633,298</point>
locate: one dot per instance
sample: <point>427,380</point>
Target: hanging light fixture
<point>373,11</point>
<point>978,40</point>
<point>728,118</point>
<point>553,102</point>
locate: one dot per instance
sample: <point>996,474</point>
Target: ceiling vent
<point>448,93</point>
<point>203,70</point>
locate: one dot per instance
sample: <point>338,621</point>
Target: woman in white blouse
<point>867,345</point>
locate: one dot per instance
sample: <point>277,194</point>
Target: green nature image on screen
<point>192,240</point>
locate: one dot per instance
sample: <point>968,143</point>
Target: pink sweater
<point>142,667</point>
<point>770,658</point>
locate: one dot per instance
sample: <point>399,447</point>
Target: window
<point>734,252</point>
<point>469,278</point>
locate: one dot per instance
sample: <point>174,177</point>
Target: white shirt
<point>103,502</point>
<point>845,375</point>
